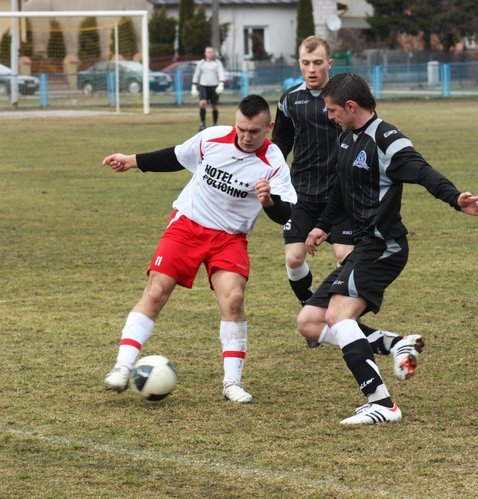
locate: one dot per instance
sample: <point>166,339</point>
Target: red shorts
<point>185,245</point>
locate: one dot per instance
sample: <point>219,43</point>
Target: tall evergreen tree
<point>186,13</point>
<point>223,32</point>
<point>197,33</point>
<point>26,47</point>
<point>305,22</point>
<point>5,47</point>
<point>389,19</point>
<point>449,20</point>
<point>89,40</point>
<point>56,43</point>
<point>162,33</point>
<point>127,45</point>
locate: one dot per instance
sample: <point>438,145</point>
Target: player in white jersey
<point>208,84</point>
<point>237,173</point>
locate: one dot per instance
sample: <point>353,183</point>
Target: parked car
<point>27,85</point>
<point>232,79</point>
<point>130,77</point>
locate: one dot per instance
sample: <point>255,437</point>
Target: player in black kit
<point>302,124</point>
<point>375,160</point>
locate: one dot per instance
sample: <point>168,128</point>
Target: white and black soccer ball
<point>153,377</point>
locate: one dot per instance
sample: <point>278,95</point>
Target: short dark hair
<point>254,104</point>
<point>349,86</point>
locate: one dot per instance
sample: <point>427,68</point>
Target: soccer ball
<point>153,377</point>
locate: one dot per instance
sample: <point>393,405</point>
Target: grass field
<point>75,241</point>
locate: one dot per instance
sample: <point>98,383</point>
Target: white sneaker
<point>117,379</point>
<point>405,353</point>
<point>373,414</point>
<point>236,393</point>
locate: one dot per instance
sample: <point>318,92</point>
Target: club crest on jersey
<point>361,160</point>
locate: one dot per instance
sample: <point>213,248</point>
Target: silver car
<point>27,85</point>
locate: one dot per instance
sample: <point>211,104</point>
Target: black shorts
<point>208,94</point>
<point>303,218</point>
<point>371,267</point>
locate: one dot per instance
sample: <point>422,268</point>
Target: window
<point>255,42</point>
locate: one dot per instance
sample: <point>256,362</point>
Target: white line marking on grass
<point>293,478</point>
<point>67,296</point>
<point>56,114</point>
<point>31,300</point>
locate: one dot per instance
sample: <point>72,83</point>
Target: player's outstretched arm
<point>121,162</point>
<point>468,203</point>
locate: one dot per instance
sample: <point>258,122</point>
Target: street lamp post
<point>216,42</point>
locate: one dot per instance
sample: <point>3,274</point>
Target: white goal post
<point>142,14</point>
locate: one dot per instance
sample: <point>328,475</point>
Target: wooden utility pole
<point>216,41</point>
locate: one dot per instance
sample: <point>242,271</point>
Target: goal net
<point>75,58</point>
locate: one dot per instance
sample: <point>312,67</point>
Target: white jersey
<point>208,73</point>
<point>221,194</point>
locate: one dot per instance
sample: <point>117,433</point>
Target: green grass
<point>75,239</point>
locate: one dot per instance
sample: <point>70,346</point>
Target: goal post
<point>111,15</point>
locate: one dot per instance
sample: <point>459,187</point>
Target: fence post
<point>244,83</point>
<point>111,88</point>
<point>445,80</point>
<point>377,81</point>
<point>43,90</point>
<point>179,87</point>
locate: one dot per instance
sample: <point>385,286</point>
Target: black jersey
<point>302,124</point>
<point>373,164</point>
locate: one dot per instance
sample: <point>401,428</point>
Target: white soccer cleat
<point>117,379</point>
<point>236,393</point>
<point>374,414</point>
<point>405,353</point>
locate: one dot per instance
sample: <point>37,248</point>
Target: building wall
<point>280,30</point>
<point>279,23</point>
<point>323,10</point>
<point>355,14</point>
<point>279,20</point>
<point>357,8</point>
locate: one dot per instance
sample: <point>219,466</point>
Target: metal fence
<point>430,79</point>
